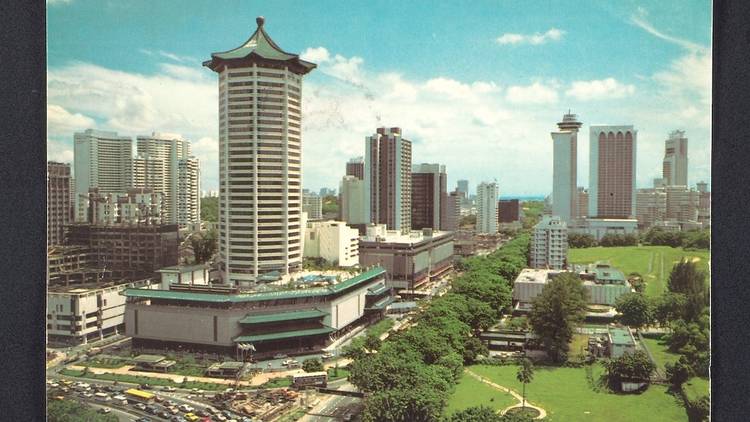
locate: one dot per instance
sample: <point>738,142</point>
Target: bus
<point>139,396</point>
<point>310,379</point>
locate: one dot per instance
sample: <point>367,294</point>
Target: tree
<point>629,367</point>
<point>524,375</point>
<point>473,347</point>
<point>70,411</point>
<point>635,308</point>
<point>204,246</point>
<point>312,365</point>
<point>686,279</point>
<point>485,414</point>
<point>372,342</point>
<point>581,240</point>
<point>556,311</point>
<point>520,323</point>
<point>210,208</point>
<point>678,373</point>
<point>667,307</point>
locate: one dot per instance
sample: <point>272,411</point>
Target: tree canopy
<point>636,309</point>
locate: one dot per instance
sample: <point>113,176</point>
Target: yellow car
<point>191,417</point>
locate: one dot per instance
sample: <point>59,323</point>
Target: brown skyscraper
<point>356,167</point>
<point>388,179</point>
<point>429,189</point>
<point>59,207</point>
<point>612,152</point>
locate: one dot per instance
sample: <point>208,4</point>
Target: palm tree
<point>525,375</point>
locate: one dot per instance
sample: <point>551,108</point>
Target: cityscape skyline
<point>503,114</point>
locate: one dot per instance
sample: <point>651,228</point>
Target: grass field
<point>578,346</point>
<point>658,349</point>
<point>696,387</point>
<point>653,262</point>
<point>471,392</point>
<point>566,395</point>
<point>144,380</point>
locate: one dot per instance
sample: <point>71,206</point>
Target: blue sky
<point>477,86</point>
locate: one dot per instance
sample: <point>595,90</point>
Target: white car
<point>279,356</point>
<point>327,355</point>
<point>105,410</point>
<point>185,408</point>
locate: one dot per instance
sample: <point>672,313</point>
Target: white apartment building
<point>549,246</point>
<point>352,203</point>
<point>136,206</point>
<point>101,160</point>
<point>487,211</point>
<point>388,179</point>
<point>164,163</point>
<point>564,170</point>
<point>312,204</point>
<point>333,241</point>
<point>78,314</point>
<point>260,158</point>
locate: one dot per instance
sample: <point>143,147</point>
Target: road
<point>335,408</point>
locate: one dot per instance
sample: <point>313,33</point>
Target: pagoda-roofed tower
<point>260,158</point>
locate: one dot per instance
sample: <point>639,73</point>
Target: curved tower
<point>260,158</point>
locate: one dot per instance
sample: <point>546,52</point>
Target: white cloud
<point>317,55</point>
<point>639,19</point>
<point>600,89</point>
<point>62,122</point>
<point>553,34</point>
<point>536,93</point>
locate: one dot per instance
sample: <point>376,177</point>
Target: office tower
<point>674,170</point>
<point>509,210</point>
<point>612,167</point>
<point>549,247</point>
<point>450,213</point>
<point>388,179</point>
<point>101,160</point>
<point>582,203</point>
<point>59,206</point>
<point>682,203</point>
<point>487,196</point>
<point>651,206</point>
<point>356,167</point>
<point>429,185</point>
<point>704,204</point>
<point>312,204</point>
<point>353,199</point>
<point>564,169</point>
<point>462,186</point>
<point>260,158</point>
<point>164,164</point>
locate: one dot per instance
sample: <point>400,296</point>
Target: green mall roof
<point>283,335</point>
<point>256,296</point>
<point>282,316</point>
<point>260,45</point>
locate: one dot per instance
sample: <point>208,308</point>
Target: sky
<point>477,86</point>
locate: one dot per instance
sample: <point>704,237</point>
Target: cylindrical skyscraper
<point>564,170</point>
<point>260,158</point>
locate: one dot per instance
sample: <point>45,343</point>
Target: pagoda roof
<point>261,46</point>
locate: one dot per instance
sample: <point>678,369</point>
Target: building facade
<point>356,167</point>
<point>409,259</point>
<point>188,192</point>
<point>333,241</point>
<point>260,158</point>
<point>450,213</point>
<point>651,206</point>
<point>429,184</point>
<point>549,244</point>
<point>101,160</point>
<point>59,205</point>
<point>312,204</point>
<point>352,200</point>
<point>675,164</point>
<point>612,161</point>
<point>564,169</point>
<point>583,203</point>
<point>462,186</point>
<point>487,213</point>
<point>509,210</point>
<point>136,206</point>
<point>388,179</point>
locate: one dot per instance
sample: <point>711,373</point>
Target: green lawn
<point>696,387</point>
<point>471,392</point>
<point>578,345</point>
<point>566,395</point>
<point>144,380</point>
<point>653,262</point>
<point>658,349</point>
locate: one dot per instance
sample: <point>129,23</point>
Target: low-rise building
<point>621,341</point>
<point>410,259</point>
<point>185,274</point>
<point>600,227</point>
<point>333,241</point>
<point>85,312</point>
<point>291,319</point>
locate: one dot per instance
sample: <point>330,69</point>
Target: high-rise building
<point>388,179</point>
<point>260,158</point>
<point>564,169</point>
<point>549,247</point>
<point>682,203</point>
<point>582,202</point>
<point>704,204</point>
<point>612,152</point>
<point>312,204</point>
<point>352,203</point>
<point>101,160</point>
<point>462,186</point>
<point>356,167</point>
<point>164,164</point>
<point>509,210</point>
<point>59,206</point>
<point>429,185</point>
<point>674,166</point>
<point>136,206</point>
<point>487,196</point>
<point>651,206</point>
<point>450,213</point>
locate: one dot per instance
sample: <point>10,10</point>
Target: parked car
<point>164,414</point>
<point>105,410</point>
<point>202,413</point>
<point>279,356</point>
<point>327,355</point>
<point>185,408</point>
<point>169,388</point>
<point>152,410</point>
<point>144,386</point>
<point>140,406</point>
<point>173,410</point>
<point>191,417</point>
